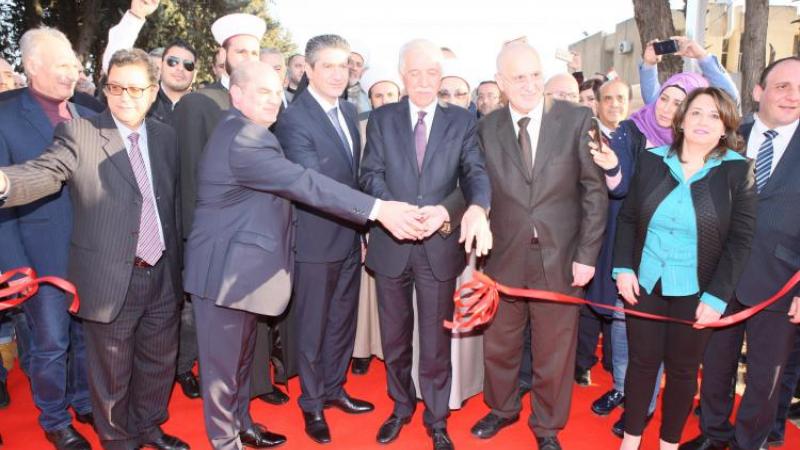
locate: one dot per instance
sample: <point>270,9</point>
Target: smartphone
<point>598,132</point>
<point>564,55</point>
<point>666,47</point>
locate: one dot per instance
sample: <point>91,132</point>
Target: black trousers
<point>770,337</point>
<point>680,347</point>
<point>324,308</point>
<point>396,314</point>
<point>590,326</point>
<point>132,361</point>
<point>187,344</point>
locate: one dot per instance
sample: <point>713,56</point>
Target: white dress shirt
<point>533,126</point>
<point>779,142</point>
<point>122,35</point>
<point>430,111</point>
<point>327,106</point>
<point>124,132</point>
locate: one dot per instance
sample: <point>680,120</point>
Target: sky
<point>474,29</point>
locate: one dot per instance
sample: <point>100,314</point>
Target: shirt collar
<point>124,131</point>
<point>225,80</point>
<point>671,160</point>
<point>430,110</point>
<point>786,130</point>
<point>325,104</point>
<point>535,114</point>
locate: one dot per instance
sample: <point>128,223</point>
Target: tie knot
<point>134,138</point>
<point>333,113</point>
<point>421,116</point>
<point>523,123</point>
<point>770,134</point>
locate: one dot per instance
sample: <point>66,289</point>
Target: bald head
<point>562,86</point>
<point>256,91</point>
<point>6,76</point>
<point>519,75</point>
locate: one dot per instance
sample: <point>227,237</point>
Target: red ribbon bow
<point>476,303</point>
<point>23,284</point>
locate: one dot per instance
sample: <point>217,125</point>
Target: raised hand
<point>628,287</point>
<point>433,217</point>
<point>689,48</point>
<point>574,65</point>
<point>475,229</point>
<point>603,156</point>
<point>649,57</point>
<point>402,220</point>
<point>143,8</point>
<point>581,274</point>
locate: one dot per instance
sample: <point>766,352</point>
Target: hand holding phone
<point>666,47</point>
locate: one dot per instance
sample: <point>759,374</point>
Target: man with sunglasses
<point>178,65</point>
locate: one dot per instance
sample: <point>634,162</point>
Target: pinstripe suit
<point>130,314</point>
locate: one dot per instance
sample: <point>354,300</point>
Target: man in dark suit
<point>37,235</point>
<point>773,140</point>
<point>124,256</point>
<point>239,256</point>
<point>320,132</point>
<point>421,152</point>
<point>549,205</point>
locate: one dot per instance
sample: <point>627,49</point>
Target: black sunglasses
<point>173,61</point>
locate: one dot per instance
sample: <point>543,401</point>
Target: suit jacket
<point>453,175</point>
<point>34,235</point>
<point>725,207</point>
<point>88,154</point>
<point>239,252</point>
<point>775,252</point>
<point>308,138</point>
<point>565,199</point>
<point>194,118</point>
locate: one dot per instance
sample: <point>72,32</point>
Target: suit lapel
<point>351,120</point>
<point>115,148</point>
<point>787,166</point>
<point>33,113</point>
<point>321,117</point>
<point>544,147</point>
<point>506,134</point>
<point>161,175</point>
<point>405,130</point>
<point>439,126</point>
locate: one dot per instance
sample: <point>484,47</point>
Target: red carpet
<point>585,431</point>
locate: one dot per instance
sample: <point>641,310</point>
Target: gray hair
<point>423,45</point>
<point>271,51</point>
<point>134,56</point>
<point>32,41</point>
<point>321,42</point>
<point>244,73</point>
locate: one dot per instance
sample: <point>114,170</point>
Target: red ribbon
<point>24,284</point>
<point>476,303</point>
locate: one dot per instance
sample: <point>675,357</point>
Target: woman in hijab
<point>649,127</point>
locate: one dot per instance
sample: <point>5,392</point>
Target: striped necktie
<point>764,160</point>
<point>149,246</point>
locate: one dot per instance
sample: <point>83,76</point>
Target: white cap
<point>453,68</point>
<point>236,24</point>
<point>377,73</point>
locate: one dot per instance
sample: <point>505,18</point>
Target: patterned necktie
<point>420,138</point>
<point>149,247</point>
<point>764,160</point>
<point>525,147</point>
<point>333,114</point>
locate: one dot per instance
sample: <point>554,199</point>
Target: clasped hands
<point>410,222</point>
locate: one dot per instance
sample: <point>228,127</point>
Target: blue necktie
<point>764,160</point>
<point>333,114</point>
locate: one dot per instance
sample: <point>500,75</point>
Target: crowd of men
<point>227,226</point>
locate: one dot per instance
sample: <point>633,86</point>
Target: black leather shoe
<point>5,399</point>
<point>491,424</point>
<point>548,443</point>
<point>703,442</point>
<point>258,437</point>
<point>391,428</point>
<point>67,439</point>
<point>276,397</point>
<point>189,385</point>
<point>167,442</point>
<point>698,411</point>
<point>87,418</point>
<point>607,402</point>
<point>794,411</point>
<point>618,429</point>
<point>583,377</point>
<point>317,427</point>
<point>360,366</point>
<point>441,440</point>
<point>774,440</point>
<point>350,405</point>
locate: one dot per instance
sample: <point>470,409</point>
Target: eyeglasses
<point>561,95</point>
<point>457,94</point>
<point>173,61</point>
<point>133,91</point>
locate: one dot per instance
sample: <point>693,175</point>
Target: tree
<point>754,45</point>
<point>654,21</point>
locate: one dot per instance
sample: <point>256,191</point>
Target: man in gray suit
<point>124,256</point>
<point>239,255</point>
